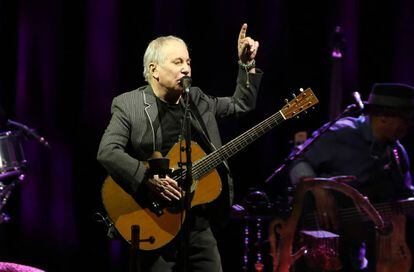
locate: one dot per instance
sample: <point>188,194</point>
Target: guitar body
<point>393,253</point>
<point>125,211</point>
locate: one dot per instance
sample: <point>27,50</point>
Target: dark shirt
<point>171,118</point>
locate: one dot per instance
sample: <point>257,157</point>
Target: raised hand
<point>247,47</point>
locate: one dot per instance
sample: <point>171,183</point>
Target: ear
<point>153,68</point>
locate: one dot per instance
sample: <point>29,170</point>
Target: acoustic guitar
<point>160,226</point>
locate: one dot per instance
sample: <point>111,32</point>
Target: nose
<point>186,69</point>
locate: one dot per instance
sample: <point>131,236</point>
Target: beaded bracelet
<point>247,68</point>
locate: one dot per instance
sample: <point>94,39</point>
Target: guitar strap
<point>198,123</point>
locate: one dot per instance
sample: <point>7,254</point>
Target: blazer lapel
<point>151,112</point>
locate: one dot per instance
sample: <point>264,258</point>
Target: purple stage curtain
<point>64,61</point>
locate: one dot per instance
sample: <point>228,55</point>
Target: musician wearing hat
<point>368,148</point>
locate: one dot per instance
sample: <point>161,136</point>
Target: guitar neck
<point>215,158</point>
<point>386,209</point>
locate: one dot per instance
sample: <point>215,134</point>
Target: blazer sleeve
<point>243,99</point>
<point>127,171</point>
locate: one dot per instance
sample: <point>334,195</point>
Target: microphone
<point>358,102</point>
<point>185,82</point>
<point>29,131</point>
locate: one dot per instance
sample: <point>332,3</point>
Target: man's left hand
<point>247,47</point>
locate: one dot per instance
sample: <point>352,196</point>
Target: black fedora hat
<point>392,95</point>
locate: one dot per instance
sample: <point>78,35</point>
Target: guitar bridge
<point>156,208</point>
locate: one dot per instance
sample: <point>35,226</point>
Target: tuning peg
<point>286,101</point>
<point>297,116</point>
<point>301,90</point>
<point>305,112</point>
<point>294,95</point>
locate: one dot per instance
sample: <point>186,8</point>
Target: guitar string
<point>349,214</point>
<point>203,166</point>
<point>312,218</point>
<point>385,208</point>
<point>210,161</point>
<point>215,158</point>
<point>385,213</point>
<point>269,122</point>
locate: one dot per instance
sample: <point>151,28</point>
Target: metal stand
<point>253,244</point>
<point>298,152</point>
<point>6,190</point>
<point>257,209</point>
<point>135,260</point>
<point>186,187</point>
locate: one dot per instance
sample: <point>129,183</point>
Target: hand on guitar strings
<point>165,188</point>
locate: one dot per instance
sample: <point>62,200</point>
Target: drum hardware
<point>29,132</point>
<point>111,232</point>
<point>255,211</point>
<point>6,190</point>
<point>12,165</point>
<point>12,160</point>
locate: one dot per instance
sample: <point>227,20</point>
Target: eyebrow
<point>179,58</point>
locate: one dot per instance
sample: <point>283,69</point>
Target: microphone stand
<point>28,132</point>
<point>305,146</point>
<point>187,182</point>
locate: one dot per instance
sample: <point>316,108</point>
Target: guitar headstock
<point>303,101</point>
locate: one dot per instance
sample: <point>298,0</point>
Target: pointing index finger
<point>243,30</point>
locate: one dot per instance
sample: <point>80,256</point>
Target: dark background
<point>62,62</point>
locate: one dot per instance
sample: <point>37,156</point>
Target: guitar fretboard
<point>215,158</point>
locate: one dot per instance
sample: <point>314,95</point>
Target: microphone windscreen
<point>358,100</point>
<point>185,82</point>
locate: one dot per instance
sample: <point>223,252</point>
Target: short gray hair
<point>154,54</point>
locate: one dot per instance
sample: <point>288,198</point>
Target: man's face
<point>396,126</point>
<point>173,67</point>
